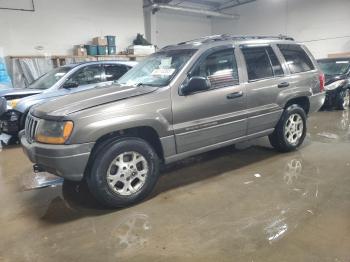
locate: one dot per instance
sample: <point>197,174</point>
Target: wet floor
<point>243,203</point>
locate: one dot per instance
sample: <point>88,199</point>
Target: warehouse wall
<point>169,27</point>
<point>322,25</point>
<point>58,25</point>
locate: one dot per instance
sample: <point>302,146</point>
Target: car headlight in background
<point>11,104</point>
<point>334,85</point>
<point>53,132</point>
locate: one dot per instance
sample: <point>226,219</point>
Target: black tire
<point>340,101</point>
<point>278,138</point>
<point>97,178</point>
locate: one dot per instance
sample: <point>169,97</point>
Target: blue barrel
<point>91,49</point>
<point>102,50</point>
<point>112,50</point>
<point>110,40</point>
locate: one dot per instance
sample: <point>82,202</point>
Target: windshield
<point>158,69</point>
<point>335,67</point>
<point>50,78</point>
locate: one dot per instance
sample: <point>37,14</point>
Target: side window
<point>114,72</point>
<point>297,59</point>
<point>276,66</point>
<point>220,68</point>
<point>87,75</point>
<point>261,62</point>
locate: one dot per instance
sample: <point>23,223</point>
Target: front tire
<point>290,131</point>
<point>124,173</point>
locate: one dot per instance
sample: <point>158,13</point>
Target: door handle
<point>283,84</point>
<point>234,95</point>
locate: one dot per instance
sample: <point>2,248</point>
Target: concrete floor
<point>243,203</point>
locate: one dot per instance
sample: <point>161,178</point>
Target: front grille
<point>31,125</point>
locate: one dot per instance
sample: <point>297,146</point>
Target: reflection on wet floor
<point>242,203</point>
<point>331,126</point>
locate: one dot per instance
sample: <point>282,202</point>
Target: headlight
<point>53,132</point>
<point>335,85</point>
<point>11,104</point>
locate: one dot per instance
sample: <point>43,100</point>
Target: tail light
<point>322,82</point>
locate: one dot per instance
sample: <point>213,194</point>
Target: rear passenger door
<point>265,80</point>
<point>304,76</point>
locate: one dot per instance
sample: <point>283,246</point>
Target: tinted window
<point>220,68</point>
<point>297,59</point>
<point>259,64</point>
<point>87,75</point>
<point>114,72</point>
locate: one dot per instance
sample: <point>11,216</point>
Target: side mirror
<point>69,85</point>
<point>196,84</point>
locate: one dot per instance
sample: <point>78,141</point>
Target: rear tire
<point>124,173</point>
<point>290,131</point>
<point>343,99</point>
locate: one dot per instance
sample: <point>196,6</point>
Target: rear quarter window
<point>297,59</point>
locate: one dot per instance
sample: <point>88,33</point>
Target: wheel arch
<point>302,101</point>
<point>147,133</point>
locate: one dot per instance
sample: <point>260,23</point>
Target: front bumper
<point>316,102</point>
<point>67,161</point>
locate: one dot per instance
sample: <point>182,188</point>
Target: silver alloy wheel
<point>127,173</point>
<point>293,129</point>
<point>346,101</point>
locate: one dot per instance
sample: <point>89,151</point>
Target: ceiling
<point>212,5</point>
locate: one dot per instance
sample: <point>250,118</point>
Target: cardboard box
<point>142,49</point>
<point>80,51</point>
<point>345,54</point>
<point>99,41</point>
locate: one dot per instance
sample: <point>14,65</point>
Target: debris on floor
<point>40,180</point>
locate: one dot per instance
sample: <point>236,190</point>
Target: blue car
<point>58,82</point>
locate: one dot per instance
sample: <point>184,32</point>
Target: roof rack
<point>223,37</point>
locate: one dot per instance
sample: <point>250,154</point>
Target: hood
<point>25,103</point>
<point>332,78</point>
<point>14,93</point>
<point>63,106</point>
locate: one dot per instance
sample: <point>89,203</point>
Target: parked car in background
<point>337,76</point>
<point>60,81</point>
<point>181,101</point>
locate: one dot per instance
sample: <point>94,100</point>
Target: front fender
<point>97,129</point>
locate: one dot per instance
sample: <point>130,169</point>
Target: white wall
<point>58,25</point>
<point>323,25</point>
<point>172,28</point>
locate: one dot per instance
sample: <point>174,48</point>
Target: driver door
<point>210,117</point>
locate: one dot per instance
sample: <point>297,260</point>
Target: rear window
<point>261,63</point>
<point>297,59</point>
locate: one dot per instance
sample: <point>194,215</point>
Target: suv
<point>181,101</point>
